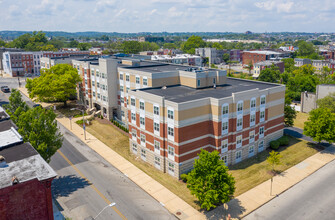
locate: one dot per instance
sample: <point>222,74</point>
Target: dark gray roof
<point>18,152</point>
<point>6,125</point>
<point>180,93</point>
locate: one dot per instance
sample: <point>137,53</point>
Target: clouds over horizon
<point>168,15</point>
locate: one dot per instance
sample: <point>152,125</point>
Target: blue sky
<point>168,15</point>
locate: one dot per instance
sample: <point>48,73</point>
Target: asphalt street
<point>313,198</point>
<point>86,183</point>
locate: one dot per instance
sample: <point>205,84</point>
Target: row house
<point>169,125</point>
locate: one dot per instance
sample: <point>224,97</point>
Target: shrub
<point>275,144</point>
<point>183,177</point>
<point>283,141</point>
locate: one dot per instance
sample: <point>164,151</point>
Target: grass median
<point>248,173</point>
<point>300,120</point>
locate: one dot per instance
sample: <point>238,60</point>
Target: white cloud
<point>278,5</point>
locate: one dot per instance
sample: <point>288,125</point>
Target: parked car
<point>36,105</point>
<point>5,89</point>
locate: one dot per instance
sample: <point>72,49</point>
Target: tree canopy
<point>274,159</point>
<point>271,74</point>
<point>289,112</point>
<point>58,83</point>
<point>192,43</point>
<point>321,125</point>
<point>16,105</point>
<point>209,181</point>
<point>327,102</point>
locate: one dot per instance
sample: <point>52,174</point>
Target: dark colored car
<point>36,105</point>
<point>5,89</point>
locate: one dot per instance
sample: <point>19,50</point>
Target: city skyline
<point>172,16</point>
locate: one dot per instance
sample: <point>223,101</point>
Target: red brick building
<point>258,56</point>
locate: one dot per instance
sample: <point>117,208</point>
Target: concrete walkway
<point>169,200</point>
<point>237,208</point>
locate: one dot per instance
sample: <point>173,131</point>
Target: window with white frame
<point>251,150</point>
<point>122,113</point>
<point>251,136</point>
<point>142,121</point>
<point>98,85</point>
<point>141,105</point>
<point>143,154</point>
<point>157,146</point>
<point>261,132</point>
<point>239,123</point>
<point>156,110</point>
<point>253,103</point>
<point>93,83</point>
<point>133,133</point>
<point>134,148</point>
<point>225,109</point>
<point>127,89</point>
<point>263,100</point>
<point>224,127</point>
<point>240,106</point>
<point>224,147</point>
<point>157,162</point>
<point>142,138</point>
<point>262,115</point>
<point>93,94</point>
<point>156,126</point>
<point>137,80</point>
<point>133,117</point>
<point>127,77</point>
<point>260,146</point>
<point>171,153</point>
<point>170,131</point>
<point>252,119</point>
<point>132,101</point>
<point>170,114</point>
<point>171,168</point>
<point>121,89</point>
<point>98,95</point>
<point>238,156</point>
<point>121,76</point>
<point>224,158</point>
<point>239,141</point>
<point>122,99</point>
<point>145,81</point>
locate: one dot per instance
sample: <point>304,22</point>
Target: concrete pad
<point>176,203</point>
<point>164,195</point>
<point>132,172</point>
<point>152,187</point>
<point>124,166</point>
<point>141,179</point>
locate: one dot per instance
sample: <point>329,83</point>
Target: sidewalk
<point>169,200</point>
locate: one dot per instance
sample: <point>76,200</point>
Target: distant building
<point>96,51</point>
<point>2,50</point>
<point>235,55</point>
<point>259,55</point>
<point>258,67</point>
<point>298,62</point>
<point>319,64</point>
<point>184,59</point>
<point>248,32</point>
<point>214,56</point>
<point>151,39</point>
<point>25,186</point>
<point>48,62</point>
<point>70,49</point>
<point>308,99</point>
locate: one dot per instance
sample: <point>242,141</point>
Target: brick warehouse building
<point>169,125</point>
<point>25,186</point>
<point>258,56</point>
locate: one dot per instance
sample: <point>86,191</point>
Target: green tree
<point>217,45</point>
<point>131,47</point>
<point>271,74</point>
<point>289,112</point>
<point>147,46</point>
<point>209,181</point>
<point>305,49</point>
<point>249,67</point>
<point>289,64</point>
<point>73,44</point>
<point>169,46</point>
<point>84,46</point>
<point>192,43</point>
<point>327,102</point>
<point>320,125</point>
<point>274,159</point>
<point>58,83</point>
<point>16,105</point>
<point>2,43</point>
<point>39,127</point>
<point>226,57</point>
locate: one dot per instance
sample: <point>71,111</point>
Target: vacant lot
<point>248,173</point>
<point>300,120</point>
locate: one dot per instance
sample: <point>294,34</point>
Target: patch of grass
<point>254,171</point>
<point>248,173</point>
<point>119,142</point>
<point>300,120</point>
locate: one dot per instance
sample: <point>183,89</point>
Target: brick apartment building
<point>25,186</point>
<point>258,67</point>
<point>21,63</point>
<point>258,56</point>
<point>168,125</point>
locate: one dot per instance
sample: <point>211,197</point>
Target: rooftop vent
<point>2,161</point>
<point>15,180</point>
<point>164,87</point>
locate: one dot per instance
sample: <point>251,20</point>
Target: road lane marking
<point>91,184</point>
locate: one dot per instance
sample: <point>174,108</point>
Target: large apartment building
<point>260,55</point>
<point>201,109</point>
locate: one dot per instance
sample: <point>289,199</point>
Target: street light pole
<point>84,125</point>
<point>110,205</point>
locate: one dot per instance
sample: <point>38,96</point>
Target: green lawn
<point>300,120</point>
<point>248,174</point>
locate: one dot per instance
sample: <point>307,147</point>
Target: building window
<point>238,156</point>
<point>137,80</point>
<point>261,132</point>
<point>133,133</point>
<point>141,105</point>
<point>224,127</point>
<point>142,121</point>
<point>238,141</point>
<point>93,94</point>
<point>142,138</point>
<point>251,136</point>
<point>170,114</point>
<point>127,89</point>
<point>98,85</point>
<point>121,88</point>
<point>253,103</point>
<point>261,146</point>
<point>252,119</point>
<point>224,147</point>
<point>145,81</point>
<point>122,114</point>
<point>170,131</point>
<point>121,76</point>
<point>171,153</point>
<point>97,73</point>
<point>171,168</point>
<point>132,101</point>
<point>104,98</point>
<point>98,94</point>
<point>239,123</point>
<point>93,83</point>
<point>134,148</point>
<point>251,151</point>
<point>156,126</point>
<point>225,109</point>
<point>240,106</point>
<point>157,147</point>
<point>133,117</point>
<point>262,100</point>
<point>156,110</point>
<point>86,81</point>
<point>198,82</point>
<point>225,159</point>
<point>262,115</point>
<point>213,80</point>
<point>157,162</point>
<point>143,154</point>
<point>127,78</point>
<point>122,99</point>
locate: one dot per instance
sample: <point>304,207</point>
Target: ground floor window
<point>238,156</point>
<point>261,146</point>
<point>135,148</point>
<point>157,162</point>
<point>225,159</point>
<point>171,168</point>
<point>251,151</point>
<point>143,154</point>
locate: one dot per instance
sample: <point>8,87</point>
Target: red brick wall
<point>253,57</point>
<point>29,200</point>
